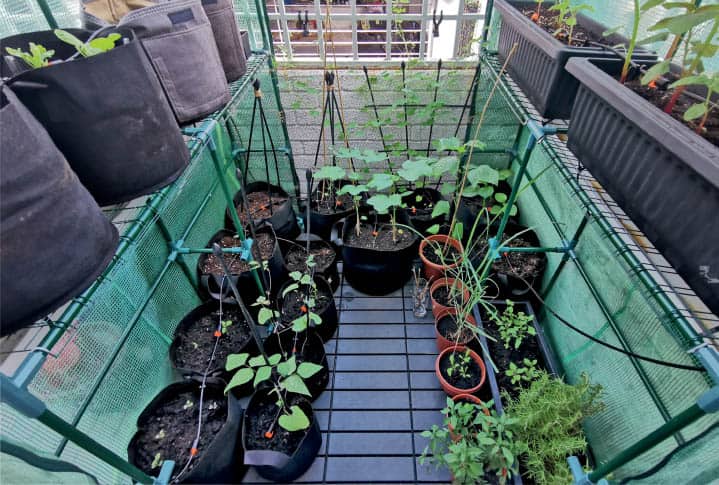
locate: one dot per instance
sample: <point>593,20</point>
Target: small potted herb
<point>453,326</point>
<point>460,370</point>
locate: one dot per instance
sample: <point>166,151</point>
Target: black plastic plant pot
<point>470,209</point>
<point>282,217</point>
<point>295,255</point>
<point>122,142</point>
<point>194,341</point>
<point>211,281</point>
<point>178,39</point>
<point>328,312</point>
<point>321,221</point>
<point>660,172</point>
<point>308,346</point>
<point>375,271</point>
<point>172,416</point>
<point>269,462</point>
<point>538,63</point>
<point>420,211</point>
<point>227,37</point>
<point>55,239</point>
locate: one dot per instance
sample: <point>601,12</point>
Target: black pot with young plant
<point>91,92</point>
<point>326,205</point>
<point>266,203</point>
<point>653,144</point>
<point>419,197</point>
<point>323,254</point>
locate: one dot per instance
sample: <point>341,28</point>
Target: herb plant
<point>527,372</point>
<point>703,108</point>
<point>38,56</point>
<point>98,45</point>
<point>567,17</point>
<point>513,326</point>
<point>459,363</point>
<point>304,284</point>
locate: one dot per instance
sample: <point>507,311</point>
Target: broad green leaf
<point>440,208</point>
<point>701,79</point>
<point>275,359</point>
<point>353,190</point>
<point>695,111</point>
<point>445,166</point>
<point>290,289</point>
<point>413,170</point>
<point>655,71</point>
<point>485,192</point>
<point>308,369</point>
<point>650,4</point>
<point>382,203</point>
<point>452,144</point>
<point>104,44</point>
<point>257,361</point>
<point>433,229</point>
<point>505,173</point>
<point>381,181</point>
<point>264,316</point>
<point>262,374</point>
<point>299,324</point>
<point>476,144</point>
<point>500,197</point>
<point>241,377</point>
<point>371,156</point>
<point>294,383</point>
<point>330,172</point>
<point>458,232</point>
<point>680,24</point>
<point>483,174</point>
<point>296,420</point>
<point>287,367</point>
<point>236,360</point>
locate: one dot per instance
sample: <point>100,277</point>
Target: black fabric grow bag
<point>178,39</point>
<point>107,113</point>
<point>274,465</point>
<point>55,241</point>
<point>283,219</point>
<point>321,223</point>
<point>663,175</point>
<point>329,273</point>
<point>330,319</point>
<point>227,37</point>
<point>219,461</point>
<point>422,219</point>
<point>245,38</point>
<point>538,63</point>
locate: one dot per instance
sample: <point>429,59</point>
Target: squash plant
<point>39,56</point>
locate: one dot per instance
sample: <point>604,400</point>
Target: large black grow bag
<point>663,175</point>
<point>538,63</point>
<point>227,37</point>
<point>219,461</point>
<point>283,219</point>
<point>330,319</point>
<point>274,465</point>
<point>55,241</point>
<point>107,113</point>
<point>179,41</point>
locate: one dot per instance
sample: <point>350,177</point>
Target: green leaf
<point>413,170</point>
<point>695,111</point>
<point>257,361</point>
<point>452,144</point>
<point>381,181</point>
<point>650,4</point>
<point>330,172</point>
<point>483,174</point>
<point>287,367</point>
<point>299,324</point>
<point>382,202</point>
<point>655,71</point>
<point>262,374</point>
<point>440,208</point>
<point>296,420</point>
<point>241,377</point>
<point>433,229</point>
<point>308,369</point>
<point>445,166</point>
<point>290,289</point>
<point>294,383</point>
<point>353,190</point>
<point>371,156</point>
<point>500,197</point>
<point>458,232</point>
<point>104,44</point>
<point>680,24</point>
<point>485,192</point>
<point>236,360</point>
<point>265,315</point>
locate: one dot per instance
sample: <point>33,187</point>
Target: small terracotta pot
<point>449,388</point>
<point>448,282</point>
<point>434,271</point>
<point>473,400</point>
<point>442,342</point>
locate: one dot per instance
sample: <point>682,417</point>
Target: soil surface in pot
<point>263,247</point>
<point>379,238</point>
<point>263,419</point>
<point>195,347</point>
<point>449,254</point>
<point>293,303</point>
<point>548,21</point>
<point>326,203</point>
<point>419,203</point>
<point>521,265</point>
<point>296,258</point>
<point>660,96</point>
<point>446,297</point>
<point>259,205</point>
<point>473,369</point>
<point>170,431</point>
<point>447,327</point>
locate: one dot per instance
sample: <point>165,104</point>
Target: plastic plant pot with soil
<point>55,239</point>
<point>72,101</point>
<point>375,262</point>
<point>195,339</point>
<point>460,370</point>
<point>221,14</point>
<point>420,205</point>
<point>439,253</point>
<point>276,453</point>
<point>447,293</point>
<point>326,207</point>
<point>267,203</point>
<point>538,63</point>
<point>323,254</point>
<point>306,346</point>
<point>662,173</point>
<point>167,430</point>
<point>480,210</point>
<point>293,304</point>
<point>448,333</point>
<point>265,248</point>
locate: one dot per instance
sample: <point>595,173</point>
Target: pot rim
<point>443,238</point>
<point>475,357</point>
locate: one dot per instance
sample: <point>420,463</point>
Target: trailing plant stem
<point>632,43</point>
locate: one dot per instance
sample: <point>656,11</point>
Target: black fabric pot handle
<point>336,232</point>
<point>218,281</point>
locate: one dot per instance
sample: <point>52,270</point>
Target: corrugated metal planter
<point>662,174</point>
<point>538,64</point>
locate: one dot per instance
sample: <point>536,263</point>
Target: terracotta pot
<point>434,271</point>
<point>473,400</point>
<point>449,388</point>
<point>449,282</point>
<point>442,342</point>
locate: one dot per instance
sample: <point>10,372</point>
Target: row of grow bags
<point>113,115</point>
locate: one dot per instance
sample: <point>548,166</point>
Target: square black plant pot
<point>538,63</point>
<point>661,173</point>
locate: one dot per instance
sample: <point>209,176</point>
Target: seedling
<point>98,45</point>
<point>36,58</point>
<point>567,17</point>
<point>701,109</point>
<point>160,434</point>
<point>356,192</point>
<point>266,314</point>
<point>225,324</point>
<point>157,462</point>
<point>328,176</point>
<point>305,281</point>
<point>527,372</point>
<point>513,326</point>
<point>188,404</point>
<point>459,364</point>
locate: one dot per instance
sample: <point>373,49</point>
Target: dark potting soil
<point>420,205</point>
<point>263,247</point>
<point>521,265</point>
<point>449,254</point>
<point>293,302</point>
<point>296,258</point>
<point>475,373</point>
<point>263,419</point>
<point>326,202</point>
<point>195,346</point>
<point>171,430</point>
<point>660,96</point>
<point>548,21</point>
<point>303,349</point>
<point>447,327</point>
<point>379,237</point>
<point>259,206</point>
<point>442,296</point>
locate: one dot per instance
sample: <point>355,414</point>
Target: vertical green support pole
<point>45,8</point>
